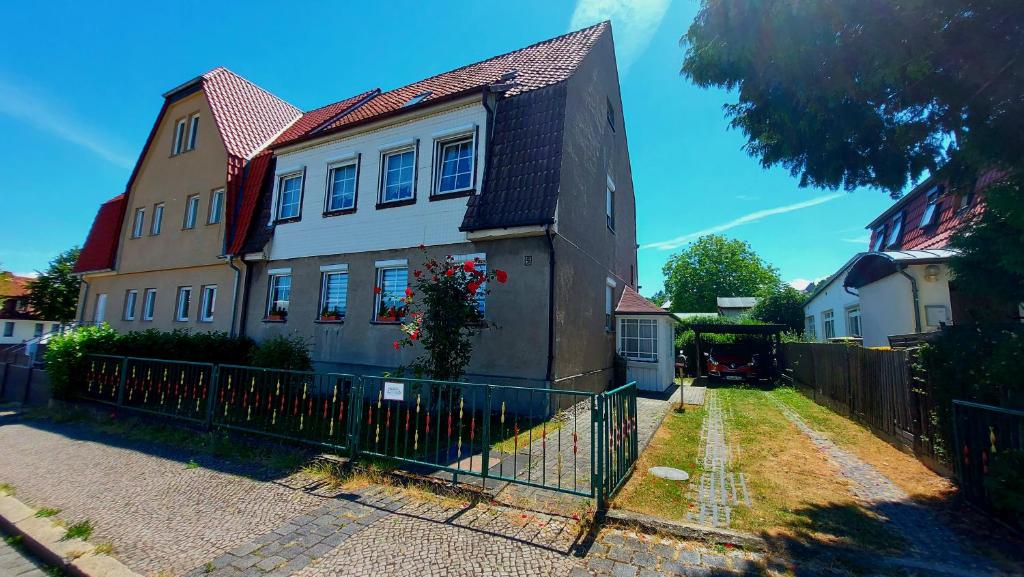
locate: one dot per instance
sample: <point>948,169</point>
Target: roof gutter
<point>234,294</point>
<point>549,377</point>
<point>917,297</point>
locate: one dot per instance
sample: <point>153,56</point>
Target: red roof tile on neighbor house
<point>314,118</point>
<point>631,303</point>
<point>12,285</point>
<point>536,66</point>
<point>255,176</point>
<point>100,247</point>
<point>247,116</point>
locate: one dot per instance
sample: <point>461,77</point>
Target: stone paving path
<point>933,545</point>
<point>621,553</point>
<point>717,489</point>
<point>16,563</point>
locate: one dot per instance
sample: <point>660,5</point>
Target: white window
<point>216,207</point>
<point>480,263</point>
<point>8,328</point>
<point>609,205</point>
<point>609,303</point>
<point>179,137</point>
<point>894,231</point>
<point>879,241</point>
<point>148,304</point>
<point>828,324</point>
<point>341,187</point>
<point>936,315</point>
<point>931,212</point>
<point>399,171</point>
<point>279,294</point>
<point>809,329</point>
<point>208,304</point>
<point>454,167</point>
<point>130,299</point>
<point>138,221</point>
<point>54,327</point>
<point>158,219</point>
<point>100,313</point>
<point>391,284</point>
<point>289,196</point>
<point>638,339</point>
<point>193,132</point>
<point>191,211</point>
<point>37,330</point>
<point>183,304</point>
<point>333,294</point>
<point>853,321</point>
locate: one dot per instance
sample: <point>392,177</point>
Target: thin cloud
<point>858,240</point>
<point>635,23</point>
<point>32,106</point>
<point>755,216</point>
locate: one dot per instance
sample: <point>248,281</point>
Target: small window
<point>418,98</point>
<point>158,219</point>
<point>638,339</point>
<point>183,304</point>
<point>193,132</point>
<point>216,207</point>
<point>399,171</point>
<point>148,304</point>
<point>278,296</point>
<point>341,187</point>
<point>894,231</point>
<point>879,242</point>
<point>609,297</point>
<point>179,137</point>
<point>191,211</point>
<point>99,314</point>
<point>809,329</point>
<point>289,196</point>
<point>8,329</point>
<point>455,166</point>
<point>610,113</point>
<point>390,290</point>
<point>931,212</point>
<point>130,299</point>
<point>609,205</point>
<point>936,315</point>
<point>853,321</point>
<point>334,295</point>
<point>37,330</point>
<point>480,263</point>
<point>54,328</point>
<point>828,324</point>
<point>966,200</point>
<point>208,304</point>
<point>138,222</point>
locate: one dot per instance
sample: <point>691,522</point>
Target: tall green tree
<point>715,266</point>
<point>782,305</point>
<point>850,93</point>
<point>54,293</point>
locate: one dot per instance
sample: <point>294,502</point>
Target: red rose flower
<point>469,266</point>
<point>408,292</point>
<point>377,290</point>
<point>435,278</point>
<point>396,345</point>
<point>414,335</point>
<point>422,246</point>
<point>501,275</point>
<point>417,273</point>
<point>449,272</point>
<point>472,287</point>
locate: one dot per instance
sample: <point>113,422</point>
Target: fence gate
<point>573,442</point>
<point>983,435</point>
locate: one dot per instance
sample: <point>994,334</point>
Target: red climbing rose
<point>500,275</point>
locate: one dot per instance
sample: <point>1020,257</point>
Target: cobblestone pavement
<point>717,489</point>
<point>621,553</point>
<point>932,544</point>
<point>16,563</point>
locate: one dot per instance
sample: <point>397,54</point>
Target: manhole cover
<point>669,473</point>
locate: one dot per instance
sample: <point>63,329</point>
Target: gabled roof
<point>872,266</point>
<point>316,118</point>
<point>252,185</point>
<point>736,302</point>
<point>101,245</point>
<point>536,66</point>
<point>824,284</point>
<point>631,303</point>
<point>12,285</point>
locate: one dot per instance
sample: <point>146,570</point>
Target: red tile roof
<point>255,176</point>
<point>101,245</point>
<point>631,303</point>
<point>12,285</point>
<point>536,66</point>
<point>247,116</point>
<point>314,118</point>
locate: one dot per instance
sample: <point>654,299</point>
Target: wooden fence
<point>876,388</point>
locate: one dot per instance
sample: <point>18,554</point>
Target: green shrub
<point>1005,484</point>
<point>65,356</point>
<point>282,352</point>
<point>686,339</point>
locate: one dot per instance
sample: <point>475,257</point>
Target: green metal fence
<point>568,441</point>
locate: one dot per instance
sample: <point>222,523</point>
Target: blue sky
<point>80,87</point>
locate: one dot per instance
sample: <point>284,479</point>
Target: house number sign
<point>394,391</point>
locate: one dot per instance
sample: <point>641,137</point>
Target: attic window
<point>931,212</point>
<point>879,241</point>
<point>417,99</point>
<point>610,113</point>
<point>894,232</point>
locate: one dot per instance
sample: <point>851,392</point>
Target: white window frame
<point>216,209</point>
<point>148,304</point>
<point>624,338</point>
<point>329,196</point>
<point>191,212</point>
<point>880,235</point>
<point>131,300</point>
<point>440,144</point>
<point>208,303</point>
<point>272,287</point>
<point>480,260</point>
<point>99,313</point>
<point>138,222</point>
<point>384,156</point>
<point>157,222</point>
<point>810,327</point>
<point>193,132</point>
<point>828,324</point>
<point>183,304</point>
<point>930,216</point>
<point>279,206</point>
<point>326,272</point>
<point>179,137</point>
<point>853,316</point>
<point>609,204</point>
<point>893,236</point>
<point>609,304</point>
<point>378,299</point>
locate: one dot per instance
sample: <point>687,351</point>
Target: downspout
<point>917,298</point>
<point>551,304</point>
<point>85,300</point>
<point>247,288</point>
<point>234,294</point>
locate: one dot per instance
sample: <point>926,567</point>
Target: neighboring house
<point>18,322</point>
<point>157,255</point>
<point>645,340</point>
<point>832,311</point>
<point>733,307</point>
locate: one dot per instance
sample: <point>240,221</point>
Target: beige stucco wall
<point>171,180</point>
<point>887,305</point>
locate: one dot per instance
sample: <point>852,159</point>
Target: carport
<point>772,332</point>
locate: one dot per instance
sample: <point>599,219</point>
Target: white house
<point>832,311</point>
<point>18,322</point>
<point>645,340</point>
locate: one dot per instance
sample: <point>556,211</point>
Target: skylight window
<point>418,98</point>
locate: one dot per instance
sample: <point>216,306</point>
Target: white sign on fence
<point>394,391</point>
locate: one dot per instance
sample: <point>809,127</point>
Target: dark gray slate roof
<point>524,162</point>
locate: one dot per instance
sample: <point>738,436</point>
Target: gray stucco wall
<point>512,351</point>
<point>588,252</point>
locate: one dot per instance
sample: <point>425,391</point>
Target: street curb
<point>649,524</point>
<point>43,538</point>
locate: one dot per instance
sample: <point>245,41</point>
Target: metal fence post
<point>486,464</point>
<point>122,381</point>
<point>598,417</point>
<point>354,411</point>
<point>212,394</point>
